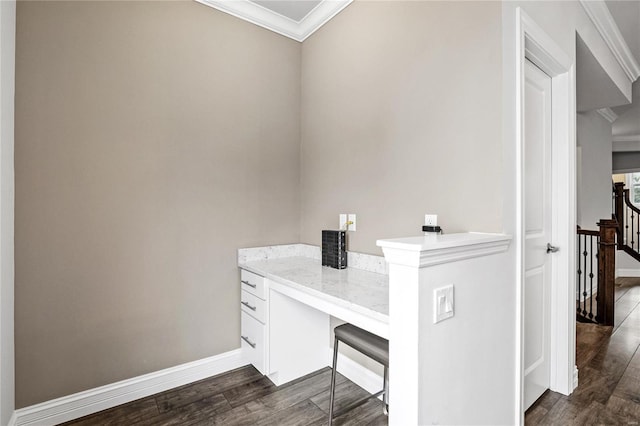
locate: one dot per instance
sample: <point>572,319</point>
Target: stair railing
<point>595,284</point>
<point>628,217</point>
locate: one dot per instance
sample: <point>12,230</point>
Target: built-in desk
<point>354,295</point>
<point>435,367</point>
<point>291,333</point>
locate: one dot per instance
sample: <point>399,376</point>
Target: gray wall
<point>152,140</point>
<point>594,187</point>
<point>626,162</point>
<point>401,116</point>
<point>7,63</point>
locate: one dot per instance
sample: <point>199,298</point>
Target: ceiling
<point>626,13</point>
<point>296,19</point>
<point>295,10</point>
<point>595,90</point>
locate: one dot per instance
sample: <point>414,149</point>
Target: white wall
<point>7,74</point>
<point>470,378</point>
<point>594,137</point>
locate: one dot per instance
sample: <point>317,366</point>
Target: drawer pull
<point>246,339</point>
<point>248,283</point>
<point>253,308</point>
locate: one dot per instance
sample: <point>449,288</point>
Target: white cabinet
<point>254,318</point>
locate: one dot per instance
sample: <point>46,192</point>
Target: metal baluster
<point>626,225</point>
<point>584,286</point>
<point>632,230</point>
<point>598,269</point>
<point>579,272</point>
<point>637,234</point>
<point>591,278</point>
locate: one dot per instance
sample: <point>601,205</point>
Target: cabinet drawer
<point>253,283</point>
<point>253,305</point>
<point>252,341</point>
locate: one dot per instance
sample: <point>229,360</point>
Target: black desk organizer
<point>334,249</point>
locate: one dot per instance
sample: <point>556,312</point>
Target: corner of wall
<point>7,90</point>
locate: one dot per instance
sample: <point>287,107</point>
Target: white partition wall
<point>460,370</point>
<point>7,73</point>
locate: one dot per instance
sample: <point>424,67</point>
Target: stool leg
<point>385,396</point>
<point>333,380</point>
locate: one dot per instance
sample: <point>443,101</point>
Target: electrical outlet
<point>351,218</point>
<point>431,219</point>
<point>343,221</point>
<point>442,303</point>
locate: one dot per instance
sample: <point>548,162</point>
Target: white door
<point>537,223</point>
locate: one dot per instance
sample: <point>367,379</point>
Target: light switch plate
<point>443,304</point>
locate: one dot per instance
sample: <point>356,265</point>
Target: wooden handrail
<point>588,232</point>
<point>628,202</point>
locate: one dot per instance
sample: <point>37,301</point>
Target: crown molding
<point>265,18</point>
<point>608,114</point>
<point>605,24</point>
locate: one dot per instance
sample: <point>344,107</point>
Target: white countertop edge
<point>374,315</point>
<point>370,320</point>
<point>433,250</point>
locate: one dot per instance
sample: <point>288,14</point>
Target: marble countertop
<point>358,290</point>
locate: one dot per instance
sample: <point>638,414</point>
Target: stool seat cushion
<point>369,344</point>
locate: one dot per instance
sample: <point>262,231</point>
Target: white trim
<point>626,145</point>
<point>533,43</point>
<point>599,13</point>
<point>266,18</point>
<point>575,377</point>
<point>624,272</point>
<point>608,114</point>
<point>420,252</point>
<point>12,420</point>
<point>93,400</point>
<point>626,138</point>
<point>356,372</point>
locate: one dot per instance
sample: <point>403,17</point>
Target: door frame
<point>534,44</point>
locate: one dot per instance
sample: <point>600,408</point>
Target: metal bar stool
<point>375,347</point>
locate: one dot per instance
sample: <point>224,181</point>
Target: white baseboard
<point>357,373</point>
<point>93,400</point>
<point>12,420</point>
<point>622,272</point>
<point>575,377</point>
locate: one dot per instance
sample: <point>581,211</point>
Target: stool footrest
<point>357,403</point>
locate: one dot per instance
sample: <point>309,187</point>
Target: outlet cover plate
<point>343,221</point>
<point>431,220</point>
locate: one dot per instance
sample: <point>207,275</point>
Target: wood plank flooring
<point>608,362</point>
<point>245,397</point>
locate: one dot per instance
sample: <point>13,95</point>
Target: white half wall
<point>7,90</point>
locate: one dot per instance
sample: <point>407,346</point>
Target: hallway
<point>609,371</point>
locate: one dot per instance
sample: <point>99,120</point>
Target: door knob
<point>551,249</point>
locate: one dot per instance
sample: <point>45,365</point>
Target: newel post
<point>606,270</point>
<point>619,215</point>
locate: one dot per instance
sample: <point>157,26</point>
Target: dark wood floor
<point>608,362</point>
<point>245,397</point>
